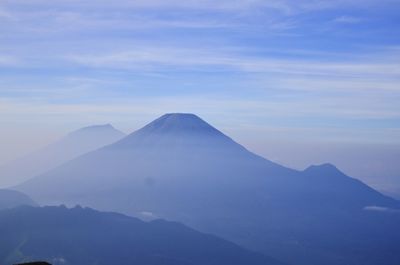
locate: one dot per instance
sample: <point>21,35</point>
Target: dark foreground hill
<point>87,237</point>
<point>180,168</point>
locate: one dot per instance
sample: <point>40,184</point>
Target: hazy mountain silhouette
<point>12,198</point>
<point>81,236</point>
<point>180,168</point>
<point>72,145</point>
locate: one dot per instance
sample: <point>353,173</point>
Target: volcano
<point>181,168</point>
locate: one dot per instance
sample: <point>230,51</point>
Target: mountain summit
<point>180,168</point>
<point>179,123</point>
<point>178,131</point>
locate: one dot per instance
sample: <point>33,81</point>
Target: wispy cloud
<point>381,209</point>
<point>348,20</point>
<point>157,59</point>
<point>73,14</point>
<point>165,4</point>
<point>284,5</point>
<point>7,60</point>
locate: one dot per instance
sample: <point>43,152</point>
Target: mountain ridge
<point>83,236</point>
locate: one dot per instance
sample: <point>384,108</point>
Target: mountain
<point>82,236</point>
<point>12,198</point>
<point>180,168</point>
<point>73,145</point>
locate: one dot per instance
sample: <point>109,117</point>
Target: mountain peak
<point>180,115</point>
<point>178,130</point>
<point>179,123</point>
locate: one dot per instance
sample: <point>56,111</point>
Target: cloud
<point>158,58</point>
<point>60,260</point>
<point>272,16</point>
<point>293,112</point>
<point>78,21</point>
<point>7,60</point>
<point>381,209</point>
<point>348,20</point>
<point>146,214</point>
<point>5,15</point>
<point>287,6</point>
<point>161,4</point>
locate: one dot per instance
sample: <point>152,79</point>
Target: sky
<point>299,82</point>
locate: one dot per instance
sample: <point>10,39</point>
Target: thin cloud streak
<point>156,58</point>
<point>322,110</point>
<point>6,60</point>
<point>288,6</point>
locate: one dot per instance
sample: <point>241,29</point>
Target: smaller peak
<point>324,169</point>
<point>90,131</point>
<point>324,166</point>
<point>97,127</point>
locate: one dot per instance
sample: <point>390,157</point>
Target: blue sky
<point>290,71</point>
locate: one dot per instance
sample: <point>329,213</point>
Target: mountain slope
<point>86,237</point>
<point>180,168</point>
<point>73,145</point>
<point>12,198</point>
